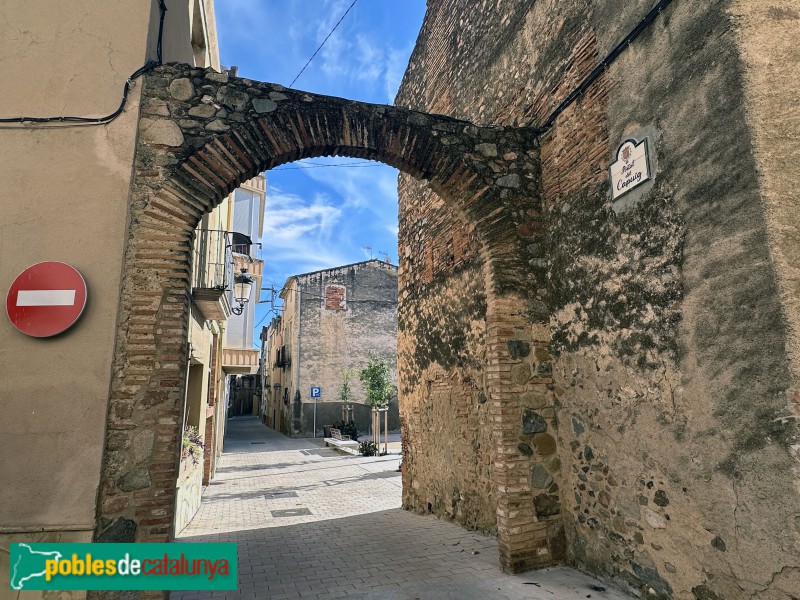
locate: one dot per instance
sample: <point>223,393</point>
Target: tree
<point>345,391</point>
<point>377,383</point>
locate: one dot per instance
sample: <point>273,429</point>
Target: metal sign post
<point>316,392</point>
<point>385,412</point>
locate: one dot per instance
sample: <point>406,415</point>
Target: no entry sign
<point>46,299</point>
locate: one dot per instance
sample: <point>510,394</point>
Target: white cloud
<point>299,232</point>
<point>356,61</point>
<point>370,188</point>
<point>370,59</point>
<point>309,230</point>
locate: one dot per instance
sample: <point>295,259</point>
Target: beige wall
<point>767,36</point>
<point>177,37</point>
<point>65,198</point>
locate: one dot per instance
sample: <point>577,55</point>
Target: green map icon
<point>28,564</point>
<point>124,566</point>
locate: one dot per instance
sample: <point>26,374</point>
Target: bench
<point>341,442</point>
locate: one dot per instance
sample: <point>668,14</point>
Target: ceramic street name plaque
<point>631,169</point>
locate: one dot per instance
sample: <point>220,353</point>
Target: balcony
<point>240,361</point>
<point>212,275</point>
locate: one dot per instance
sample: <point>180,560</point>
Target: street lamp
<point>242,285</point>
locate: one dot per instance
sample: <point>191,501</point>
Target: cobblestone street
<point>313,523</point>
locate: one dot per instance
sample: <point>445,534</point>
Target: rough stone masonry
<point>670,354</point>
<point>201,134</point>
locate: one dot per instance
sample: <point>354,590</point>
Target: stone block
<point>263,105</point>
<point>181,89</point>
<point>160,131</point>
<point>532,423</point>
<point>121,531</point>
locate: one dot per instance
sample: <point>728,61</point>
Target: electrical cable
<point>304,161</point>
<point>262,319</point>
<point>603,66</point>
<point>148,66</point>
<point>344,166</point>
<point>323,43</point>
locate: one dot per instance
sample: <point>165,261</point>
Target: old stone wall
<point>346,314</point>
<point>445,351</point>
<point>441,360</point>
<point>667,332</point>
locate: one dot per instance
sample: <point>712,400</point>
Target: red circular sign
<point>46,299</point>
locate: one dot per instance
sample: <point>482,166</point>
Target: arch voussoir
<point>202,134</point>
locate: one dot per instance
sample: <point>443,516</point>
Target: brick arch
<point>203,133</point>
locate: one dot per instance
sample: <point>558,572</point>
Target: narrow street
<point>313,523</point>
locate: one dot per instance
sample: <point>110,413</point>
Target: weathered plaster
<point>670,322</point>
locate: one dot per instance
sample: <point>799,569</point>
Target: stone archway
<point>201,134</point>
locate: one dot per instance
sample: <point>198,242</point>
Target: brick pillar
<point>136,499</point>
<point>529,528</point>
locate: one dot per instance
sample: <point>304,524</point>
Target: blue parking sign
<point>316,392</point>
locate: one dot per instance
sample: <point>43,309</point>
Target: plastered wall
<point>65,199</point>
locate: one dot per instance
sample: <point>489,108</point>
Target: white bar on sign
<point>45,297</point>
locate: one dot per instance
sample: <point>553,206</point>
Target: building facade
<point>331,320</point>
<point>65,63</point>
<point>240,355</point>
<point>275,393</point>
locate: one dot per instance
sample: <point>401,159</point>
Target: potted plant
<point>191,444</point>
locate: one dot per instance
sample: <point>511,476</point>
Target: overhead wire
<point>129,83</point>
<point>354,165</point>
<point>323,42</point>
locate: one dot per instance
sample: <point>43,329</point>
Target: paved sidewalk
<point>312,523</point>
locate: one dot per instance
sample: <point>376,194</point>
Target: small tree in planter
<point>345,390</point>
<point>377,383</point>
<point>345,397</point>
<point>378,388</point>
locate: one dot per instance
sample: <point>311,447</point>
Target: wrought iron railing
<point>213,260</point>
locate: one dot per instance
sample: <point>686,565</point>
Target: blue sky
<point>318,216</point>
